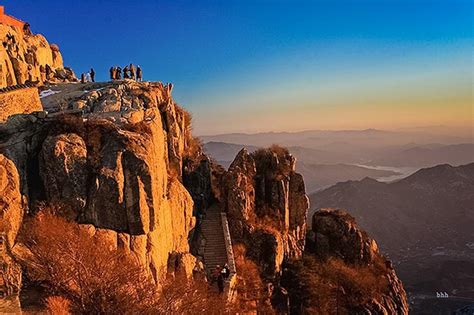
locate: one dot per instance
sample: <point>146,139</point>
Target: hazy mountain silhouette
<point>423,222</point>
<point>434,204</point>
<point>318,176</point>
<point>428,155</point>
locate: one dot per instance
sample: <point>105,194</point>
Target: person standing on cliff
<point>118,73</point>
<point>220,283</point>
<point>42,73</point>
<point>83,78</point>
<point>125,72</point>
<point>26,29</point>
<point>215,273</point>
<point>132,71</point>
<point>225,271</point>
<point>92,72</point>
<point>48,71</point>
<point>112,71</point>
<point>139,74</point>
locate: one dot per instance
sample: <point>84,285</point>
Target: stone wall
<point>231,281</point>
<point>21,101</point>
<point>10,20</point>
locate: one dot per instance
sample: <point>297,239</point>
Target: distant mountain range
<point>318,176</point>
<point>434,205</point>
<point>339,140</point>
<point>456,154</point>
<point>369,147</point>
<point>424,222</point>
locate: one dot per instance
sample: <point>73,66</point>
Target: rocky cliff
<point>29,57</point>
<point>19,101</point>
<point>114,166</point>
<point>118,159</point>
<point>267,205</point>
<point>366,282</point>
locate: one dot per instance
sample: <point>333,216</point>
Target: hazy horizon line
<point>466,128</point>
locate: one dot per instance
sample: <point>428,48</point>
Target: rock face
<point>335,234</point>
<point>11,201</point>
<point>267,205</point>
<point>11,216</point>
<point>115,168</point>
<point>27,57</point>
<point>63,168</point>
<point>21,101</point>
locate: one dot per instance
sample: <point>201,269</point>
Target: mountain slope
<point>318,176</point>
<point>432,204</point>
<point>423,222</point>
<point>428,156</point>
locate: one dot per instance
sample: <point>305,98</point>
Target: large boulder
<point>267,205</point>
<point>335,234</point>
<point>64,170</point>
<point>11,217</point>
<point>12,205</point>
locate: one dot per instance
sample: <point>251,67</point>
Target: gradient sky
<point>274,65</point>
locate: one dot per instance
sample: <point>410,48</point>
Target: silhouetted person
<point>112,71</point>
<point>215,273</point>
<point>48,71</point>
<point>220,283</point>
<point>118,73</point>
<point>42,73</point>
<point>225,271</point>
<point>92,73</point>
<point>132,71</point>
<point>26,29</point>
<point>139,74</point>
<point>83,78</point>
<point>125,72</point>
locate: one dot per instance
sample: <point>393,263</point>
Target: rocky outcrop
<point>11,201</point>
<point>336,235</point>
<point>267,205</point>
<point>111,167</point>
<point>197,177</point>
<point>63,168</point>
<point>20,101</point>
<point>29,57</point>
<point>11,216</point>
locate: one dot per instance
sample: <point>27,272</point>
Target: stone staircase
<point>215,252</point>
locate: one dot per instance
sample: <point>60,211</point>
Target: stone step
<point>215,252</point>
<point>217,258</point>
<point>215,249</point>
<point>211,256</point>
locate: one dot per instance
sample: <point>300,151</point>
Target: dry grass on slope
<point>83,275</point>
<point>323,286</point>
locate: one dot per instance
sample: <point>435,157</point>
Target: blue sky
<point>279,65</point>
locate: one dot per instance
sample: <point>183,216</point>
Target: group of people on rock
<point>219,275</point>
<point>88,76</point>
<point>129,72</point>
